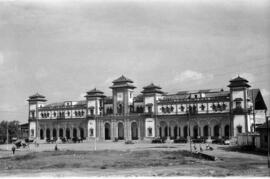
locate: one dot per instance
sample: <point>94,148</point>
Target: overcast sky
<point>62,49</point>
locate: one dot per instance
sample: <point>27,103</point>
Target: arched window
<point>224,106</point>
<point>168,109</point>
<point>202,107</point>
<point>182,108</point>
<point>239,129</point>
<point>76,113</point>
<point>172,108</point>
<point>82,113</point>
<point>214,107</point>
<point>68,113</point>
<point>54,114</point>
<point>163,109</point>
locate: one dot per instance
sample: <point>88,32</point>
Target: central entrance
<point>107,131</point>
<point>134,131</point>
<point>120,131</point>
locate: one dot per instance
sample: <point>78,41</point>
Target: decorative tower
<point>94,102</point>
<point>239,108</point>
<point>122,92</point>
<point>35,102</point>
<point>95,107</point>
<point>151,94</point>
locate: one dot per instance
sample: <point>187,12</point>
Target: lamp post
<point>188,115</point>
<point>268,141</point>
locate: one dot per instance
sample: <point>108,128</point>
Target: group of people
<point>208,147</point>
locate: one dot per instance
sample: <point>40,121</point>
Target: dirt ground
<point>119,159</point>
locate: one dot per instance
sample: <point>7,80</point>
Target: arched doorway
<point>216,131</point>
<point>227,131</point>
<point>74,132</point>
<point>185,131</point>
<point>68,133</point>
<point>175,132</point>
<point>41,134</point>
<point>166,131</point>
<point>120,131</point>
<point>54,133</point>
<point>81,133</point>
<point>48,135</point>
<point>61,132</point>
<point>134,131</point>
<point>205,131</point>
<point>163,129</point>
<point>195,132</point>
<point>107,131</point>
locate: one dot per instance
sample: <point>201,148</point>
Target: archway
<point>61,132</point>
<point>227,131</point>
<point>166,131</point>
<point>175,132</point>
<point>185,131</point>
<point>41,134</point>
<point>81,133</point>
<point>107,131</point>
<point>54,133</point>
<point>205,131</point>
<point>68,133</point>
<point>48,135</point>
<point>74,132</point>
<point>120,131</point>
<point>163,129</point>
<point>216,131</point>
<point>134,131</point>
<point>195,132</point>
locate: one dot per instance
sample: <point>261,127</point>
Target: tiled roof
<point>122,79</point>
<point>237,79</point>
<point>122,86</point>
<point>37,95</point>
<point>152,89</point>
<point>94,91</point>
<point>152,86</point>
<point>238,82</point>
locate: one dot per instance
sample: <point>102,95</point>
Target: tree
<point>13,130</point>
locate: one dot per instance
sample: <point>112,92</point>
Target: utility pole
<point>254,117</point>
<point>7,135</point>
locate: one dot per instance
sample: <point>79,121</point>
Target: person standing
<point>13,149</point>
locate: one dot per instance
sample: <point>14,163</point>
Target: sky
<point>62,49</point>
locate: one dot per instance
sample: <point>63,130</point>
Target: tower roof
<point>152,86</point>
<point>37,97</point>
<point>122,79</point>
<point>95,93</point>
<point>152,89</point>
<point>238,82</point>
<point>122,82</point>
